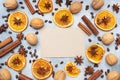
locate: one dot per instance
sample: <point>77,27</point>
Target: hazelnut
<point>32,38</point>
<point>75,7</point>
<point>60,75</point>
<point>11,4</point>
<point>111,59</point>
<point>107,38</point>
<point>37,23</point>
<point>113,75</point>
<point>97,4</point>
<point>5,74</point>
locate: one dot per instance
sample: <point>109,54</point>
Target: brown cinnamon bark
<point>84,28</point>
<point>30,7</point>
<point>90,25</point>
<point>6,41</point>
<point>24,77</point>
<point>9,47</point>
<point>95,75</point>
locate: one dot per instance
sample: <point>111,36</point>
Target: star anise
<point>16,61</point>
<point>42,70</point>
<point>115,7</point>
<point>93,50</point>
<point>117,41</point>
<point>64,18</point>
<point>17,21</point>
<point>105,20</point>
<point>20,36</point>
<point>89,70</point>
<point>47,5</point>
<point>59,2</point>
<point>3,28</point>
<point>68,2</point>
<point>78,60</point>
<point>69,68</point>
<point>22,50</point>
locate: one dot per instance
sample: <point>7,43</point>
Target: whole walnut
<point>107,38</point>
<point>11,4</point>
<point>5,74</point>
<point>32,38</point>
<point>111,59</point>
<point>60,75</point>
<point>97,4</point>
<point>37,23</point>
<point>75,7</point>
<point>113,75</point>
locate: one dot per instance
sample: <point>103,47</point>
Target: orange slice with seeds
<point>42,69</point>
<point>72,70</point>
<point>18,21</point>
<point>105,20</point>
<point>95,53</point>
<point>16,61</point>
<point>45,6</point>
<point>63,18</point>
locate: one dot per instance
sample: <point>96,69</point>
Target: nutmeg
<point>32,38</point>
<point>75,7</point>
<point>11,4</point>
<point>60,75</point>
<point>107,38</point>
<point>111,59</point>
<point>97,4</point>
<point>37,23</point>
<point>113,75</point>
<point>5,74</point>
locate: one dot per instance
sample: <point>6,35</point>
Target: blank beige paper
<point>61,42</point>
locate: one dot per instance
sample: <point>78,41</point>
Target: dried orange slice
<point>42,69</point>
<point>105,20</point>
<point>45,6</point>
<point>63,18</point>
<point>18,21</point>
<point>16,61</point>
<point>95,53</point>
<point>72,70</point>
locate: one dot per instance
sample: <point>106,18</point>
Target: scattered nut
<point>97,4</point>
<point>75,7</point>
<point>5,74</point>
<point>37,23</point>
<point>11,4</point>
<point>107,38</point>
<point>60,75</point>
<point>32,38</point>
<point>113,75</point>
<point>111,59</point>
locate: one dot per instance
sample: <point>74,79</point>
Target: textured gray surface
<point>77,17</point>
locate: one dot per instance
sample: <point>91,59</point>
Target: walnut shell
<point>107,38</point>
<point>97,4</point>
<point>37,23</point>
<point>75,7</point>
<point>32,38</point>
<point>5,74</point>
<point>113,75</point>
<point>60,75</point>
<point>111,59</point>
<point>11,4</point>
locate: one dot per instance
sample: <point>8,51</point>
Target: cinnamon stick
<point>9,47</point>
<point>95,75</point>
<point>24,77</point>
<point>6,41</point>
<point>84,28</point>
<point>90,25</point>
<point>30,7</point>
